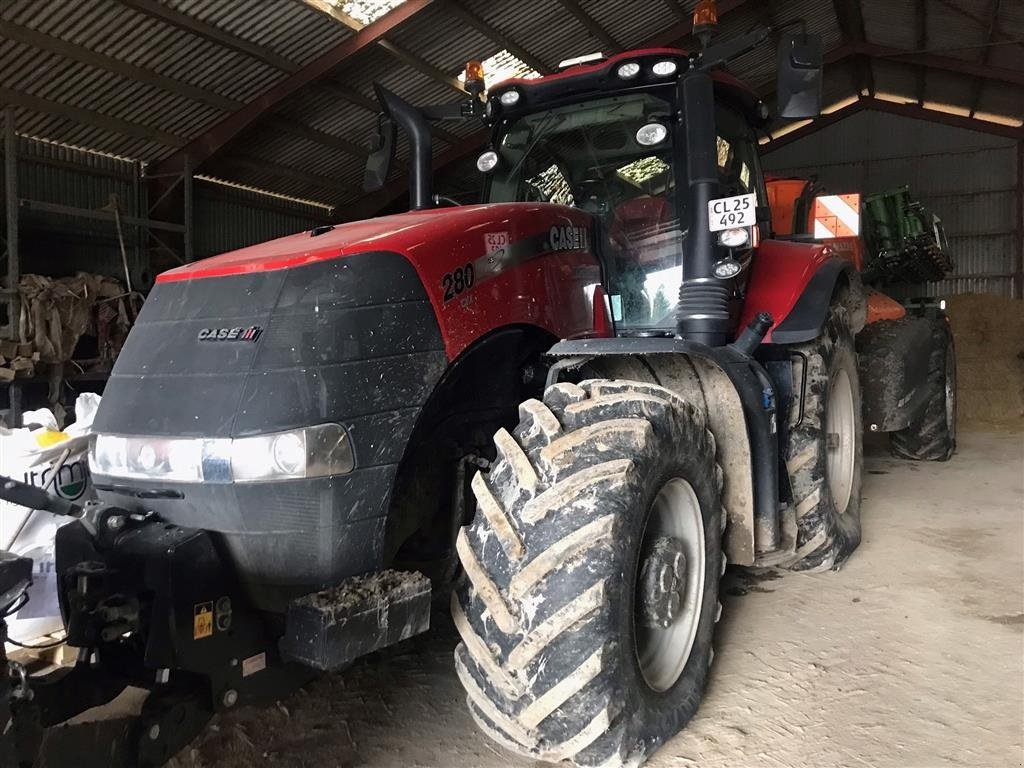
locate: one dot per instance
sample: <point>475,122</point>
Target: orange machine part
<point>782,198</point>
<point>881,307</point>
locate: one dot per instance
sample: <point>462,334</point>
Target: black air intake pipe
<point>702,314</point>
<point>416,127</point>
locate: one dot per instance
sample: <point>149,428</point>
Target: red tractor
<point>296,435</point>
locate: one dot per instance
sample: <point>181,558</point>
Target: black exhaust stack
<point>703,309</point>
<point>399,112</point>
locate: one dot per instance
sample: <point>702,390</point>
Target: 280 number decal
<point>457,281</point>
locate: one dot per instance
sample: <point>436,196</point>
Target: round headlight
<point>487,161</point>
<point>665,68</point>
<point>628,70</point>
<point>651,134</point>
<point>289,452</point>
<point>726,268</point>
<point>509,98</point>
<point>734,238</point>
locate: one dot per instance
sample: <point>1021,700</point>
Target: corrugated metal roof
<point>236,52</point>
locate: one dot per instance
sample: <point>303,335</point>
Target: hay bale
<point>989,335</point>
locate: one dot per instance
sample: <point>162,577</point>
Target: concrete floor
<point>912,655</point>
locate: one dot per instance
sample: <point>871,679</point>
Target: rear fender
<point>796,282</point>
<point>702,380</point>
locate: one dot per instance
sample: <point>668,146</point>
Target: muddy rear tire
<point>579,555</point>
<point>932,436</point>
<point>826,454</point>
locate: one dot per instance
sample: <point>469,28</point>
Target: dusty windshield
<point>611,157</point>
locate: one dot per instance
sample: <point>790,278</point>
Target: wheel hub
<point>662,583</point>
<point>669,584</point>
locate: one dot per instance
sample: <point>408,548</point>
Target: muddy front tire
<point>592,575</point>
<point>826,454</point>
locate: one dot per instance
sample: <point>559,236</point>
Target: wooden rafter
<point>216,137</point>
<point>260,165</point>
<point>986,53</point>
<point>409,59</point>
<point>851,24</point>
<point>922,45</point>
<point>678,34</point>
<point>929,60</point>
<point>969,14</point>
<point>595,29</point>
<point>493,33</point>
<point>175,18</point>
<point>90,118</point>
<point>905,110</point>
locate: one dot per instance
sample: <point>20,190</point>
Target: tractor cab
<point>609,140</point>
<point>657,145</point>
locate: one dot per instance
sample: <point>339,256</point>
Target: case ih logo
<point>230,334</point>
<point>568,238</point>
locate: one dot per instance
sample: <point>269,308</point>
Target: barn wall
<point>52,244</point>
<point>969,179</point>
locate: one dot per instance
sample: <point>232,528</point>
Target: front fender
<point>732,393</point>
<point>795,283</point>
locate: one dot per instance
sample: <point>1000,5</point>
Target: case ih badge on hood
<point>230,334</point>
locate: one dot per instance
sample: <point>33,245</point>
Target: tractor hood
<point>418,235</point>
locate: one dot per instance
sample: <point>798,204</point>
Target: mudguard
<point>794,282</point>
<point>894,371</point>
<point>739,400</point>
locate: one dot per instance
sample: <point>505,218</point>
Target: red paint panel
<point>550,283</point>
<point>779,275</point>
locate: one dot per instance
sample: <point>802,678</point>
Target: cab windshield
<point>611,157</point>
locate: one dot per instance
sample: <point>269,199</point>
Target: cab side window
<point>737,154</point>
<point>739,169</point>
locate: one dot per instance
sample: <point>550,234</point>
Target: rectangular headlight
<point>308,452</point>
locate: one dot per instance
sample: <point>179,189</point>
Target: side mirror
<point>378,164</point>
<point>800,61</point>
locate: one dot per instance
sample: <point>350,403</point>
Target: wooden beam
<point>285,125</point>
<point>139,74</point>
<point>213,140</point>
<point>87,56</point>
<point>904,110</point>
<point>677,10</point>
<point>420,65</point>
<point>158,10</point>
<point>929,60</point>
<point>818,124</point>
<point>493,33</point>
<point>986,52</point>
<point>677,33</point>
<point>851,24</point>
<point>944,118</point>
<point>922,45</point>
<point>595,29</point>
<point>1000,36</point>
<point>287,172</point>
<point>423,67</point>
<point>90,118</point>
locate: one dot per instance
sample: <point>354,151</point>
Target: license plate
<point>732,212</point>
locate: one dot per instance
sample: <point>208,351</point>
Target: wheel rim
<point>675,519</point>
<point>840,439</point>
